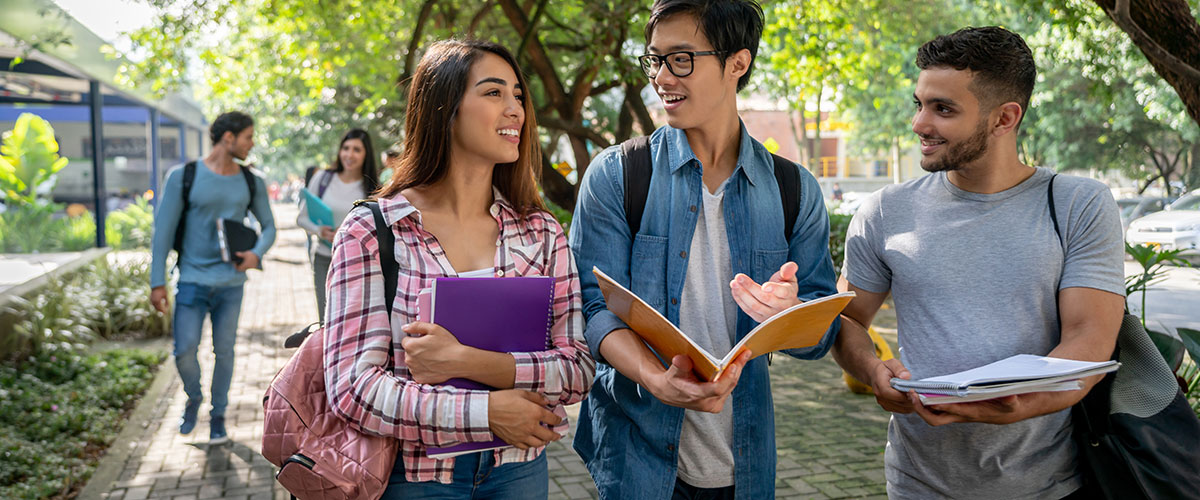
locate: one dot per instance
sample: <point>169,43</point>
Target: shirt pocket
<point>527,259</point>
<point>766,263</point>
<point>648,269</point>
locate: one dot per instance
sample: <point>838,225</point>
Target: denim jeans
<point>476,477</point>
<point>223,305</point>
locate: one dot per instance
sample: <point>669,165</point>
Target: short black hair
<point>232,121</point>
<point>729,25</point>
<point>1002,63</point>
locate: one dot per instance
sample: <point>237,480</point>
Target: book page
<point>802,325</point>
<point>1020,367</point>
<point>652,327</point>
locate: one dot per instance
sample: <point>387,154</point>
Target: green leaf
<point>1191,341</point>
<point>1170,348</point>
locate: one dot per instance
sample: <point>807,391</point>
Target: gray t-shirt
<point>708,314</point>
<point>974,278</point>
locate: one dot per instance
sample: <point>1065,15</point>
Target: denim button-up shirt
<point>628,438</point>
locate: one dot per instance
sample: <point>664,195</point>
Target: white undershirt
<point>478,273</point>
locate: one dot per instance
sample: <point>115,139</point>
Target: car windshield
<point>1190,202</point>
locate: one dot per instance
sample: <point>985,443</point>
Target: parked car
<point>1136,208</point>
<point>1176,227</point>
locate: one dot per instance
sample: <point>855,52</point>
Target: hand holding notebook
<point>493,314</point>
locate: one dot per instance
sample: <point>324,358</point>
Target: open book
<point>1020,374</point>
<point>797,327</point>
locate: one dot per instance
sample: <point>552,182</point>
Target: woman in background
<point>352,177</point>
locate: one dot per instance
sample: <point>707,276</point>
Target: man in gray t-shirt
<point>978,273</point>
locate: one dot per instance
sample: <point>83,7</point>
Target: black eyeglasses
<point>679,63</point>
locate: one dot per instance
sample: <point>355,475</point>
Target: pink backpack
<point>320,455</point>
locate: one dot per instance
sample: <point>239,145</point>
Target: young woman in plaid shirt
<point>463,201</point>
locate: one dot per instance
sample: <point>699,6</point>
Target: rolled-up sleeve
<point>809,249</point>
<point>600,238</point>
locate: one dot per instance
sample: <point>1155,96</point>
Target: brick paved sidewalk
<point>830,442</point>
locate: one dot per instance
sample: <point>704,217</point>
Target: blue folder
<point>318,211</point>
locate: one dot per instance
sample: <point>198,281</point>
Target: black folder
<point>234,237</point>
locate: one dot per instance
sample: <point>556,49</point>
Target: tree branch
<point>537,56</point>
<point>410,58</point>
<point>574,130</point>
<point>537,14</point>
<point>478,17</point>
<point>1121,16</point>
<point>605,87</point>
<point>640,113</point>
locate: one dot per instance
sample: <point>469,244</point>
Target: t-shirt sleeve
<point>1095,247</point>
<point>864,266</point>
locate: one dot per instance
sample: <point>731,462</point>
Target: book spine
<point>550,315</point>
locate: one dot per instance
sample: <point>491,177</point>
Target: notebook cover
<point>496,314</point>
<point>234,237</point>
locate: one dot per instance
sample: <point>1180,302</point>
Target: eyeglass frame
<point>663,61</point>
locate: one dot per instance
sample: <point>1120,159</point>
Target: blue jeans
<point>476,477</point>
<point>224,305</point>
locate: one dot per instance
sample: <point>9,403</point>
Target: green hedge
<point>60,412</point>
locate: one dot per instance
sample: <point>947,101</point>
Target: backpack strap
<point>639,170</point>
<point>1053,214</point>
<point>189,179</point>
<point>323,183</point>
<point>251,184</point>
<point>387,246</point>
<point>788,179</point>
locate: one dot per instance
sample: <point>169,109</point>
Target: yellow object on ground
<point>883,350</point>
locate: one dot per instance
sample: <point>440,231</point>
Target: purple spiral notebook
<point>495,314</point>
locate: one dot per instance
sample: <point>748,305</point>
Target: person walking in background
<point>208,285</point>
<point>352,176</point>
<point>463,201</point>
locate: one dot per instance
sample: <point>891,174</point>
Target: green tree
<point>309,70</point>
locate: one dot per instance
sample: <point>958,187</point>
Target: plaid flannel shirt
<point>378,396</point>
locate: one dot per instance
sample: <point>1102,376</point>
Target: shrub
<point>60,411</point>
<point>106,299</point>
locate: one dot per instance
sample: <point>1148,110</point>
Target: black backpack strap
<point>1053,212</point>
<point>387,246</point>
<point>788,178</point>
<point>323,183</point>
<point>189,178</point>
<point>638,170</point>
<point>250,184</point>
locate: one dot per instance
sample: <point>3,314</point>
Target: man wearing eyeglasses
<point>711,253</point>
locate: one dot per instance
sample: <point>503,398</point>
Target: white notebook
<point>1020,374</point>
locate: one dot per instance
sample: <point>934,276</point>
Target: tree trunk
<point>796,134</point>
<point>640,113</point>
<point>816,148</point>
<point>1169,36</point>
<point>555,187</point>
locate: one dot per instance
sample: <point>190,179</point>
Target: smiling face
<point>691,100</point>
<point>953,128</point>
<point>352,154</point>
<point>490,117</point>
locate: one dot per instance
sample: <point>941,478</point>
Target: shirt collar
<point>398,207</point>
<point>753,159</point>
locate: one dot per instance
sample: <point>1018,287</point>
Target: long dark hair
<point>370,169</point>
<point>434,95</point>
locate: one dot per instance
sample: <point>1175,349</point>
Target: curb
<point>113,462</point>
